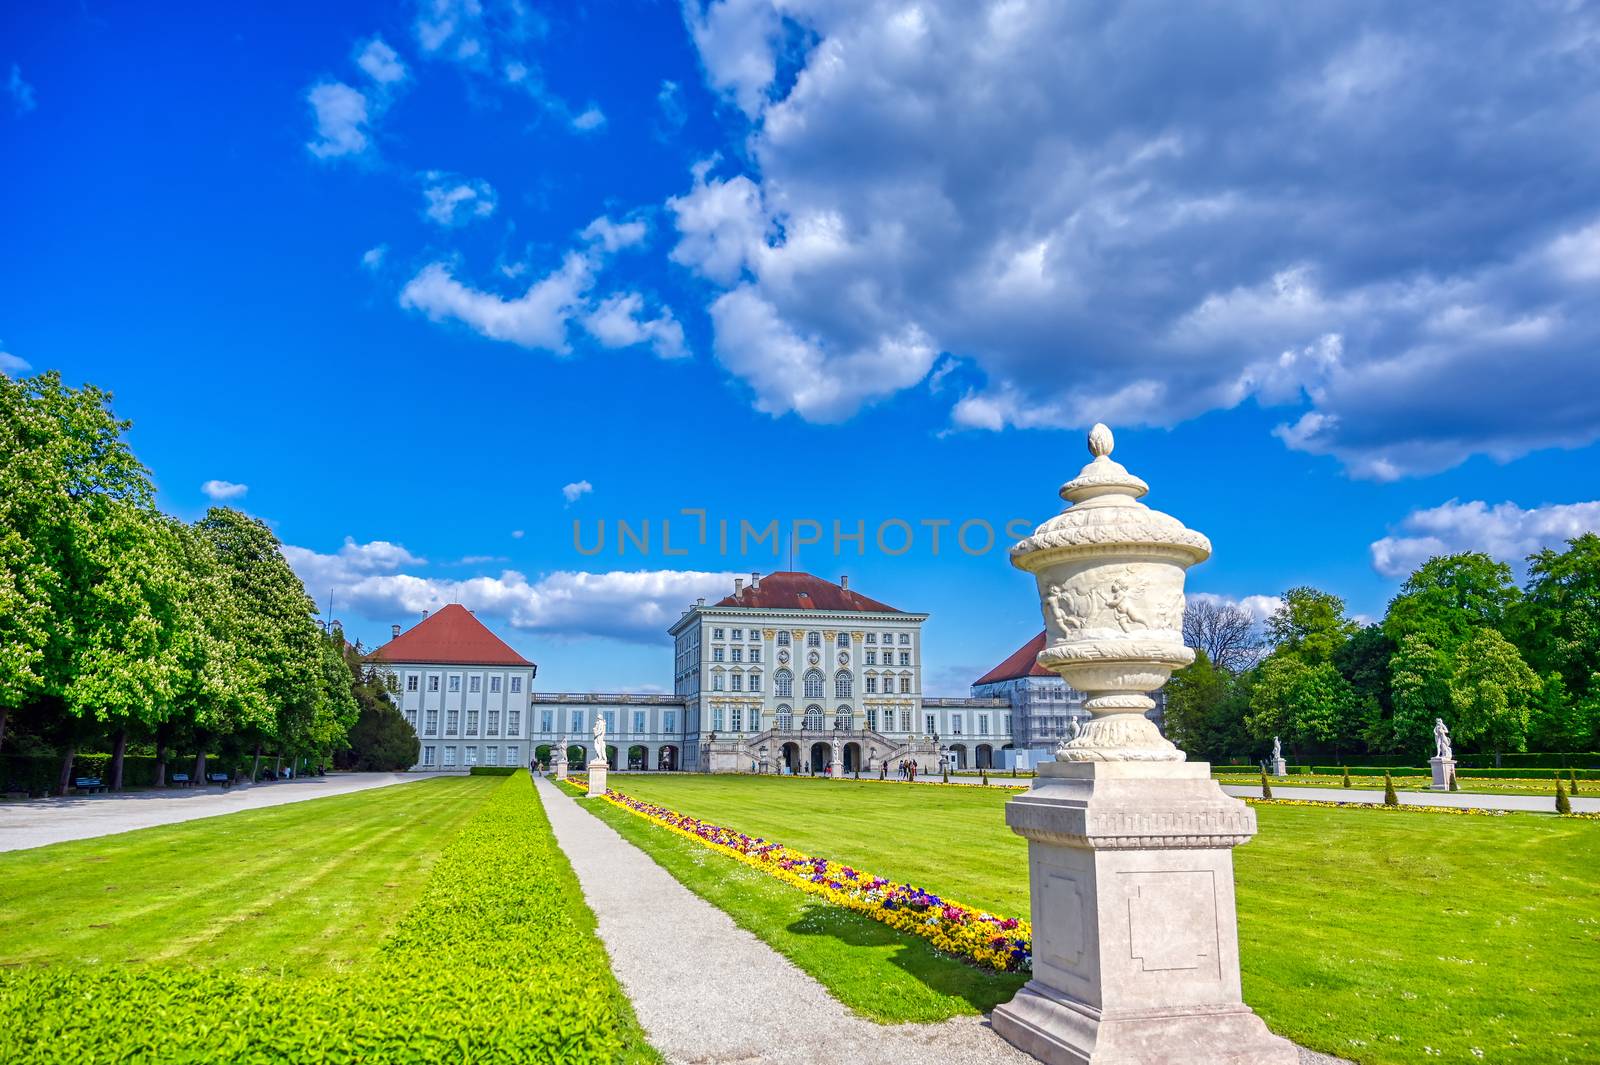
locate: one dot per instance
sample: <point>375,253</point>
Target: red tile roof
<point>1024,662</point>
<point>788,590</point>
<point>450,637</point>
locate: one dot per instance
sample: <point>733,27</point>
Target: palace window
<point>738,654</point>
<point>475,683</point>
<point>905,685</point>
<point>494,723</point>
<point>813,719</point>
<point>1007,720</point>
<point>872,658</point>
<point>738,634</point>
<point>872,685</point>
<point>577,722</point>
<point>427,756</point>
<point>449,757</point>
<point>547,721</point>
<point>737,715</point>
<point>872,637</point>
<point>905,658</point>
<point>433,682</point>
<point>783,684</point>
<point>609,715</point>
<point>452,723</point>
<point>785,718</point>
<point>469,756</point>
<point>928,726</point>
<point>716,719</point>
<point>842,718</point>
<point>814,684</point>
<point>717,681</point>
<point>813,639</point>
<point>905,721</point>
<point>472,722</point>
<point>431,723</point>
<point>842,686</point>
<point>955,724</point>
<point>755,682</point>
<point>494,685</point>
<point>669,721</point>
<point>844,639</point>
<point>738,682</point>
<point>511,756</point>
<point>716,634</point>
<point>411,682</point>
<point>872,719</point>
<point>491,755</point>
<point>513,722</point>
<point>716,654</point>
<point>411,719</point>
<point>983,724</point>
<point>783,638</point>
<point>455,686</point>
<point>905,637</point>
<point>516,685</point>
<point>755,719</point>
<point>755,654</point>
<point>638,722</point>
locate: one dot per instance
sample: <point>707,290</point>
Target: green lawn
<point>309,887</point>
<point>1370,934</point>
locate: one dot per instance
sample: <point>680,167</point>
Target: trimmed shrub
<point>1563,804</point>
<point>1266,788</point>
<point>1346,780</point>
<point>1572,780</point>
<point>492,770</point>
<point>497,961</point>
<point>1389,796</point>
<point>1453,785</point>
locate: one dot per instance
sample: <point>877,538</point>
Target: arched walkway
<point>667,757</point>
<point>821,755</point>
<point>611,757</point>
<point>789,757</point>
<point>960,751</point>
<point>541,753</point>
<point>852,757</point>
<point>984,756</point>
<point>638,757</point>
<point>577,756</point>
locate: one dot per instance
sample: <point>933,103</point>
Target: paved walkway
<point>40,822</point>
<point>1544,804</point>
<point>674,953</point>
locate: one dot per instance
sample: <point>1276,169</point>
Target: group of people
<point>907,768</point>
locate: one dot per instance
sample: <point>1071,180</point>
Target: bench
<point>217,778</point>
<point>180,780</point>
<point>87,784</point>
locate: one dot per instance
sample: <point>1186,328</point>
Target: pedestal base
<point>1279,768</point>
<point>561,771</point>
<point>1443,770</point>
<point>597,778</point>
<point>1061,1031</point>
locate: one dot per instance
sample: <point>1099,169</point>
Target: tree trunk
<point>161,755</point>
<point>1497,759</point>
<point>200,764</point>
<point>3,714</point>
<point>119,747</point>
<point>67,758</point>
<point>255,770</point>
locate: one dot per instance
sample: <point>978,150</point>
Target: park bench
<point>217,778</point>
<point>87,784</point>
<point>180,780</point>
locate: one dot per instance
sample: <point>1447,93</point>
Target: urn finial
<point>1100,440</point>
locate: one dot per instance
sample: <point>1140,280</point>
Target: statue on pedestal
<point>1441,740</point>
<point>1277,751</point>
<point>599,737</point>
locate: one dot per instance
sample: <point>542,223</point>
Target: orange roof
<point>453,636</point>
<point>1024,662</point>
<point>788,590</point>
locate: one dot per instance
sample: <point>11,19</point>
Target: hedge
<point>492,770</point>
<point>1536,760</point>
<point>38,774</point>
<point>497,961</point>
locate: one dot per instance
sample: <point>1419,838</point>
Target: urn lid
<point>1104,511</point>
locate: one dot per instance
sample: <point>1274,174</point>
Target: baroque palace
<point>789,673</point>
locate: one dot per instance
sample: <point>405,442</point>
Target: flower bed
<point>1471,811</point>
<point>1004,944</point>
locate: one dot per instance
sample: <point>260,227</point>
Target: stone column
<point>1443,769</point>
<point>1135,948</point>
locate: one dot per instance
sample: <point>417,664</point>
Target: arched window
<point>841,685</point>
<point>785,718</point>
<point>842,718</point>
<point>783,637</point>
<point>814,684</point>
<point>783,684</point>
<point>813,719</point>
<point>813,639</point>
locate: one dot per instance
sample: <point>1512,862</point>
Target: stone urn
<point>1110,577</point>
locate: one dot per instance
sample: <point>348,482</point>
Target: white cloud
<point>12,365</point>
<point>452,28</point>
<point>381,62</point>
<point>614,236</point>
<point>669,99</point>
<point>23,99</point>
<point>1259,607</point>
<point>576,490</point>
<point>912,173</point>
<point>372,258</point>
<point>218,491</point>
<point>625,605</point>
<point>341,116</point>
<point>619,322</point>
<point>591,118</point>
<point>455,201</point>
<point>1504,531</point>
<point>517,534</point>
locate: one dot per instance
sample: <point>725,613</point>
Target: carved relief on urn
<point>1110,575</point>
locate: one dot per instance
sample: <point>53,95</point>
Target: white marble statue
<point>1277,750</point>
<point>600,737</point>
<point>1441,740</point>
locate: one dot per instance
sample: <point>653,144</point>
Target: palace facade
<point>788,673</point>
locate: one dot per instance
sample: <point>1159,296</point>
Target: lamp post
<point>763,758</point>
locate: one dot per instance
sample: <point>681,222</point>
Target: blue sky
<point>394,276</point>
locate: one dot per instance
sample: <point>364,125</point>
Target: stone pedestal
<point>597,777</point>
<point>1443,769</point>
<point>1135,948</point>
<point>836,767</point>
<point>561,769</point>
<point>1279,768</point>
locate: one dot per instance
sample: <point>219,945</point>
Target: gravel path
<point>1544,804</point>
<point>707,991</point>
<point>41,822</point>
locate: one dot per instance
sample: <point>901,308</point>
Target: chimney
<point>844,582</point>
<point>755,581</point>
<point>394,632</point>
<point>424,615</point>
<point>738,587</point>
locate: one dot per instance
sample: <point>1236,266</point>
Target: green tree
<point>1557,627</point>
<point>1450,597</point>
<point>1197,696</point>
<point>1305,704</point>
<point>29,573</point>
<point>381,740</point>
<point>1311,625</point>
<point>1492,691</point>
<point>1419,692</point>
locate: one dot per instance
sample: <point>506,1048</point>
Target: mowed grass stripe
<point>1383,937</point>
<point>310,887</point>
